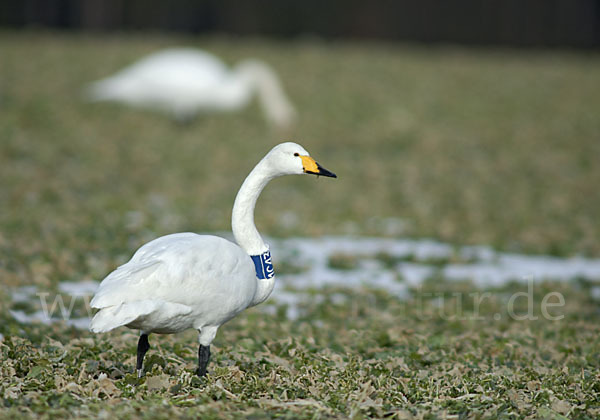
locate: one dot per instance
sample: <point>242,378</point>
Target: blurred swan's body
<point>186,81</point>
<point>186,280</point>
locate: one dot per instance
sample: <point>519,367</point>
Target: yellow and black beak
<point>312,167</point>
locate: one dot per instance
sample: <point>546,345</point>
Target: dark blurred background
<point>523,23</point>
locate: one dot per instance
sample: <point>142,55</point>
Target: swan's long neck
<point>242,224</point>
<point>242,217</point>
<point>273,99</point>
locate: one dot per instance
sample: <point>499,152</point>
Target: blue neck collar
<point>263,265</point>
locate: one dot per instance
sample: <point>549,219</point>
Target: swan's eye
<point>296,154</point>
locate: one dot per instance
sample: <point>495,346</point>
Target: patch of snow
<point>413,261</point>
<point>41,317</point>
<point>488,267</point>
<point>513,267</point>
<point>79,323</point>
<point>23,294</point>
<point>415,274</point>
<point>36,317</point>
<point>87,287</point>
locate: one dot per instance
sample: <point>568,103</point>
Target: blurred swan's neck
<point>242,217</point>
<point>273,99</point>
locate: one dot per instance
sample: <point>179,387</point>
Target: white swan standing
<point>186,81</point>
<point>185,280</point>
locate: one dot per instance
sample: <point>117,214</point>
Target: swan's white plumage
<point>186,81</point>
<point>185,280</point>
<point>177,282</point>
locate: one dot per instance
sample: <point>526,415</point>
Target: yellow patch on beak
<point>309,165</point>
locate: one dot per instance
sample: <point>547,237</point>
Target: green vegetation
<point>466,146</point>
<point>368,356</point>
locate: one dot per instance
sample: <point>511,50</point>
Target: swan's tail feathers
<point>107,319</point>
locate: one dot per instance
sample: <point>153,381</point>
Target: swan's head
<point>291,159</point>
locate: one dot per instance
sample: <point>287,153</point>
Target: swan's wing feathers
<point>132,280</point>
<point>119,285</point>
<point>132,273</point>
<point>170,266</point>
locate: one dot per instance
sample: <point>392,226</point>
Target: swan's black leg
<point>203,358</point>
<point>142,348</point>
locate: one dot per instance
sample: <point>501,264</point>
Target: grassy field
<point>374,358</point>
<point>467,146</point>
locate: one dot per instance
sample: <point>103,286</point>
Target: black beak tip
<point>325,172</point>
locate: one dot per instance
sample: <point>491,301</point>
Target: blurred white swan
<point>185,280</point>
<point>186,81</point>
